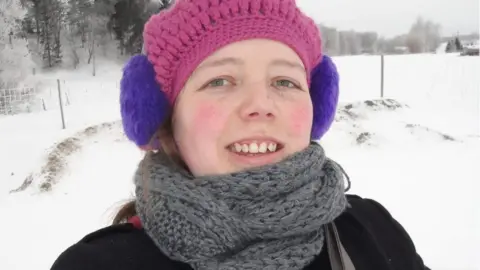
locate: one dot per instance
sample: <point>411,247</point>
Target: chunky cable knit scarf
<point>265,218</point>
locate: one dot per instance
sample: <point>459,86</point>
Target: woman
<point>226,100</point>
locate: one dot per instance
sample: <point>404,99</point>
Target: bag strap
<point>339,258</point>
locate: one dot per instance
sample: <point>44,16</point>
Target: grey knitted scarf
<point>265,218</point>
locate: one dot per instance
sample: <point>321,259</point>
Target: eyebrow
<point>282,62</point>
<point>238,62</point>
<point>221,62</point>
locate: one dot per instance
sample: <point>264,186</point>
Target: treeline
<point>56,29</point>
<point>423,36</point>
<point>67,33</point>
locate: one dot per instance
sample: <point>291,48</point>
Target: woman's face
<point>245,106</point>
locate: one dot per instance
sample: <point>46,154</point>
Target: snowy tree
<point>368,41</point>
<point>350,43</point>
<point>79,12</point>
<point>424,36</point>
<point>76,34</point>
<point>336,42</point>
<point>15,63</point>
<point>330,40</point>
<point>128,21</point>
<point>46,19</point>
<point>51,19</point>
<point>458,44</point>
<point>11,13</point>
<point>450,46</point>
<point>32,21</point>
<point>15,60</point>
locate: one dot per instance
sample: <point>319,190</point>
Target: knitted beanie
<point>177,40</point>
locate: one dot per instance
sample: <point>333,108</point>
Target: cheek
<point>300,119</point>
<point>207,119</point>
<point>199,129</point>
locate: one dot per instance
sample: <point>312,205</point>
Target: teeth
<point>254,147</point>
<point>272,147</point>
<point>263,147</point>
<point>238,147</point>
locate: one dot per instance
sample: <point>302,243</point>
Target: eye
<point>219,82</point>
<point>284,83</point>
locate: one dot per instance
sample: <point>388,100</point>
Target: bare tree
<point>13,50</point>
<point>369,42</point>
<point>424,36</point>
<point>10,12</point>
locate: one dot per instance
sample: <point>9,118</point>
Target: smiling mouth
<point>255,148</point>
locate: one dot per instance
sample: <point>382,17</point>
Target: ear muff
<point>144,106</point>
<point>324,84</point>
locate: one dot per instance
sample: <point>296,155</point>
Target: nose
<point>257,103</point>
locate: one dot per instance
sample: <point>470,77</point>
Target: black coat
<point>371,237</point>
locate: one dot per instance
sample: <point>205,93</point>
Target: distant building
<point>470,47</point>
<point>401,50</point>
<point>469,43</point>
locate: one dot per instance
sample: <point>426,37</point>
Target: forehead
<point>255,50</point>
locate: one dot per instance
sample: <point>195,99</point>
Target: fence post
<point>382,73</point>
<point>60,102</point>
<point>478,113</point>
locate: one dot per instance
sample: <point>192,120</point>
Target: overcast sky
<point>394,17</point>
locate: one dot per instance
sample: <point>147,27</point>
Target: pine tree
<point>458,45</point>
<point>449,46</point>
<point>46,35</point>
<point>128,20</point>
<point>32,20</point>
<point>79,12</point>
<point>51,18</point>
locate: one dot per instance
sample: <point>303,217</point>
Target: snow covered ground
<point>417,154</point>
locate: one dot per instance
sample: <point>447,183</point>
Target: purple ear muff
<point>143,104</point>
<point>324,93</point>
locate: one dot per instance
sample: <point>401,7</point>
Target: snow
<point>417,154</point>
<point>442,48</point>
<point>475,45</point>
<point>427,182</point>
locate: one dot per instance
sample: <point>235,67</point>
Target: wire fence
<point>56,104</point>
<point>35,99</point>
<point>18,100</point>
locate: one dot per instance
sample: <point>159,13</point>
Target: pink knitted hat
<point>193,29</point>
<point>178,39</point>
